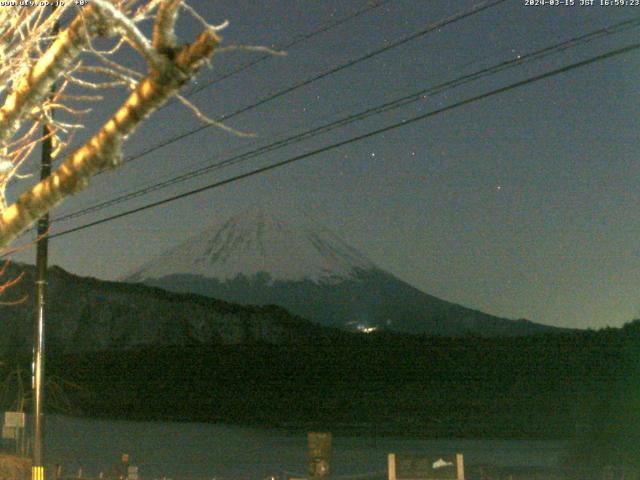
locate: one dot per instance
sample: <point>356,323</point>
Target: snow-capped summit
<point>256,241</point>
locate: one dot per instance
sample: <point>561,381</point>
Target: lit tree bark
<point>36,84</point>
<point>170,68</point>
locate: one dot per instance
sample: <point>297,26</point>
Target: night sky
<point>522,205</point>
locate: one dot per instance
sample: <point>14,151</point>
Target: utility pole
<point>42,250</point>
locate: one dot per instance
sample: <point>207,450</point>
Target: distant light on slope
<point>365,329</point>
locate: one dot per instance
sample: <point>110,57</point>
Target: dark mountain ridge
<point>86,314</point>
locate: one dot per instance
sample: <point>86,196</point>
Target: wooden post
<point>392,466</point>
<point>460,466</point>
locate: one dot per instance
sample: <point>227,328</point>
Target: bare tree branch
<point>35,84</point>
<point>103,150</point>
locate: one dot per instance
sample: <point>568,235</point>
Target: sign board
<point>14,419</point>
<point>132,472</point>
<point>9,432</point>
<point>319,454</point>
<point>426,467</point>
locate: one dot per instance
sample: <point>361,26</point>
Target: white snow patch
<point>255,242</point>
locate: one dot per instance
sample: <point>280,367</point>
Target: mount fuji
<point>256,258</point>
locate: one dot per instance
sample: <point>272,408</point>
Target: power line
<point>512,86</point>
<point>480,7</point>
<point>430,28</point>
<point>261,58</point>
<point>394,104</point>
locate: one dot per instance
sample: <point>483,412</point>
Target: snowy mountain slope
<point>255,241</point>
<point>256,258</point>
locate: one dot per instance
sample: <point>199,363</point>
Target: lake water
<point>207,451</point>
